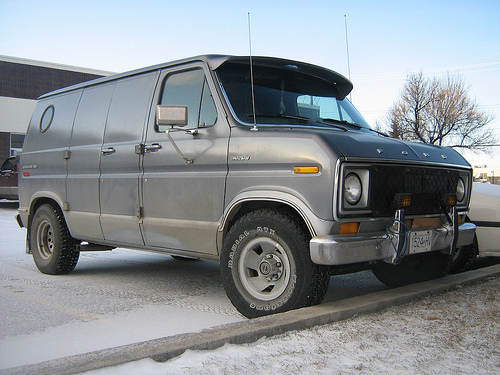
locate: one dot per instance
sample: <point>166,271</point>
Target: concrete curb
<point>251,330</point>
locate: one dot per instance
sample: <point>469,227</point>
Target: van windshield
<point>285,95</point>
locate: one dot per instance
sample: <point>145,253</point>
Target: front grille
<point>427,185</point>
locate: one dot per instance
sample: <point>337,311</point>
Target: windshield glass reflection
<point>287,96</point>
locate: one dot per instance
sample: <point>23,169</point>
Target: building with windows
<point>22,81</point>
<point>483,173</point>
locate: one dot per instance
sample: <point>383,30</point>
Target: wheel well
<point>36,204</point>
<point>247,207</point>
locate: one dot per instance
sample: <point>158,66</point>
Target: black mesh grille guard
<point>427,185</point>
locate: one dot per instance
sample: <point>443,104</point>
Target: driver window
<point>190,88</point>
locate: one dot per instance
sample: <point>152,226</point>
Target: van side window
<point>190,88</point>
<point>208,112</point>
<point>46,120</point>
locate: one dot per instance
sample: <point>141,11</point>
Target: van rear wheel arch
<point>39,201</point>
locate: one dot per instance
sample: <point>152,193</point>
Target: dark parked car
<point>8,178</point>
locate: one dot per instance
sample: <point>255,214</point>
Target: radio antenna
<point>251,76</point>
<point>347,48</point>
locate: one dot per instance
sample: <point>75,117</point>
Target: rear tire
<point>266,267</point>
<point>413,269</point>
<point>51,244</point>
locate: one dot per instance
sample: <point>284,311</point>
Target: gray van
<point>267,168</point>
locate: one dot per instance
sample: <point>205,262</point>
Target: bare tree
<point>440,112</point>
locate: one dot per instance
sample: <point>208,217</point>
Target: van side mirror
<point>171,115</point>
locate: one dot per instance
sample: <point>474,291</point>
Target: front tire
<point>464,257</point>
<point>51,243</point>
<point>413,269</point>
<point>266,267</point>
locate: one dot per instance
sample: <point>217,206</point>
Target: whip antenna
<point>347,48</point>
<point>251,76</point>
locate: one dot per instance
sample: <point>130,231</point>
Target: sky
<point>386,39</point>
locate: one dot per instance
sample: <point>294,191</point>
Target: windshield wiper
<point>288,117</point>
<point>380,133</point>
<point>332,122</point>
<point>342,122</point>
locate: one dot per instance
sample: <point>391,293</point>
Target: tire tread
<point>67,259</point>
<point>315,290</point>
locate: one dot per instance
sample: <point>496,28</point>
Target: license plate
<point>420,242</point>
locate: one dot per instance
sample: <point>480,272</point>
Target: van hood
<point>356,144</point>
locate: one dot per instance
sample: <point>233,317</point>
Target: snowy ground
<point>453,333</point>
<point>111,299</point>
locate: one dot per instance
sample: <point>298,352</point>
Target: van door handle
<point>108,151</point>
<point>152,148</point>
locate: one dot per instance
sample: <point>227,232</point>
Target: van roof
<point>214,61</point>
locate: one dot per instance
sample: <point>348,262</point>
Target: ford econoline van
<point>270,171</point>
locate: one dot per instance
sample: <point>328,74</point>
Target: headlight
<point>460,189</point>
<point>352,188</point>
<point>353,194</point>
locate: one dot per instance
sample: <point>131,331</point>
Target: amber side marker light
<point>306,170</point>
<point>402,201</point>
<point>349,228</point>
<point>450,200</point>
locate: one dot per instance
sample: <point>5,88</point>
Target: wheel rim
<point>45,240</point>
<point>264,268</point>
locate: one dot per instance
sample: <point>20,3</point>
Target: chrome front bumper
<point>366,247</point>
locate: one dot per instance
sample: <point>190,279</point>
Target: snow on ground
<point>454,333</point>
<point>111,299</point>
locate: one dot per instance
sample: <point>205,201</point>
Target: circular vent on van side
<point>47,118</point>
